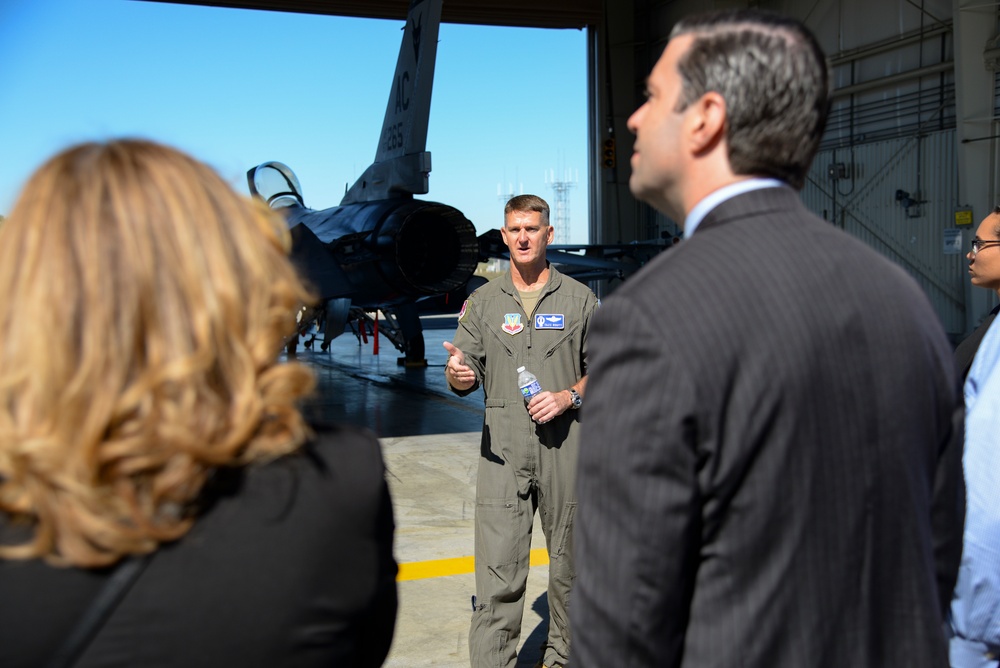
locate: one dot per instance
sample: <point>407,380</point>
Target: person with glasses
<point>974,617</point>
<point>984,270</point>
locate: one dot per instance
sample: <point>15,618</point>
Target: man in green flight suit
<point>535,317</point>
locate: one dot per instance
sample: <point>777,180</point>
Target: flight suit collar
<point>507,283</point>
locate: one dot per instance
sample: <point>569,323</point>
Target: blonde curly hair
<point>144,306</point>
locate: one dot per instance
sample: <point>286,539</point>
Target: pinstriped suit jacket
<point>770,471</point>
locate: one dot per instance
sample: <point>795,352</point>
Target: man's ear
<point>708,122</point>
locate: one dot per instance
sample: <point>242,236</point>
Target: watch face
<point>577,399</point>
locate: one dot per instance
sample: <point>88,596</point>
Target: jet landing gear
<point>309,323</point>
<point>400,326</point>
<point>414,358</point>
<point>411,336</point>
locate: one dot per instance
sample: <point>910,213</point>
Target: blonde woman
<point>162,500</point>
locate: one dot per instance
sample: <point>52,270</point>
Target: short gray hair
<point>527,203</point>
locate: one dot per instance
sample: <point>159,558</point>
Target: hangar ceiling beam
<point>519,13</point>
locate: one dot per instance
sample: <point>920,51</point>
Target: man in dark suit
<point>771,471</point>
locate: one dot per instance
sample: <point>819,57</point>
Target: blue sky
<point>236,88</point>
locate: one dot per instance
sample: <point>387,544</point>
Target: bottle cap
<point>520,369</point>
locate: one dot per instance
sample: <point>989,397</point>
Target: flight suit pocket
<point>567,336</point>
<point>499,524</point>
<point>562,538</point>
<point>495,432</point>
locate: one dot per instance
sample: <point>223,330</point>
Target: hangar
<point>909,161</point>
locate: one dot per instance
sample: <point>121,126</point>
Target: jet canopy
<point>276,184</point>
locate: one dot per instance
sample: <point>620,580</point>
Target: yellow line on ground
<point>439,568</point>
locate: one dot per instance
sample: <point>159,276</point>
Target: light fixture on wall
<point>837,171</point>
<point>911,204</point>
<point>991,54</point>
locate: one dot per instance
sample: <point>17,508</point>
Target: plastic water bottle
<point>528,384</point>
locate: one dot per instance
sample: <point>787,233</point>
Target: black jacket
<point>289,565</point>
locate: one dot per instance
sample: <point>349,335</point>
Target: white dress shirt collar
<point>714,199</point>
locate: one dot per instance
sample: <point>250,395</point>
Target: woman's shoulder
<point>340,445</point>
<point>343,459</point>
<point>339,468</point>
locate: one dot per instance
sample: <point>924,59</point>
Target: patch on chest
<point>550,321</point>
<point>512,323</point>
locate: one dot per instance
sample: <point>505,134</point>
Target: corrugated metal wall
<point>891,134</point>
<point>867,200</point>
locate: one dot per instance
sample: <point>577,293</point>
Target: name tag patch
<point>550,321</point>
<point>512,323</point>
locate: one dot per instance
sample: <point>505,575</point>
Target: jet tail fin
<point>402,164</point>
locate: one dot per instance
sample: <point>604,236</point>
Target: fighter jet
<point>382,249</point>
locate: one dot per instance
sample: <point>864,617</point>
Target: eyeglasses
<point>980,244</point>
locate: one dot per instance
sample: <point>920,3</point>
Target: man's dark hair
<point>527,203</point>
<point>774,78</point>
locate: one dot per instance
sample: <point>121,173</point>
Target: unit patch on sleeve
<point>512,323</point>
<point>461,314</point>
<point>550,321</point>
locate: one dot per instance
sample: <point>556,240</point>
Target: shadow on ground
<point>531,648</point>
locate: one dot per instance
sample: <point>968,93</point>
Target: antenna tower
<point>509,194</point>
<point>560,217</point>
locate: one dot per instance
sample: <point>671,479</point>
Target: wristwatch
<point>577,399</point>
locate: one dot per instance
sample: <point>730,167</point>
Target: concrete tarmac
<point>430,441</point>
